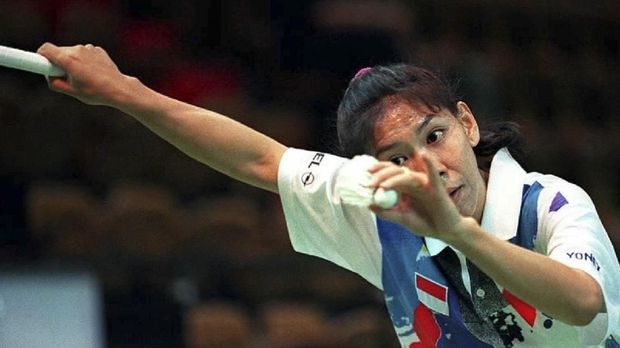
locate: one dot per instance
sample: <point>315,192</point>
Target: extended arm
<point>213,139</point>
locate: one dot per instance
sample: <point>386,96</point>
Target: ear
<point>468,121</point>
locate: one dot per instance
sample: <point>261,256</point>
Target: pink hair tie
<point>362,71</point>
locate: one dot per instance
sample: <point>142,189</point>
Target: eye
<point>434,136</point>
<point>398,160</point>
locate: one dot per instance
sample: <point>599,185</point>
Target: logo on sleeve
<point>585,257</point>
<point>307,178</point>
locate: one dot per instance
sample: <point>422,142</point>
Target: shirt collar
<point>503,200</point>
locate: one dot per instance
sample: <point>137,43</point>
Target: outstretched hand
<point>425,207</point>
<point>92,76</point>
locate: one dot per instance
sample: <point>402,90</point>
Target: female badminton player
<point>477,252</point>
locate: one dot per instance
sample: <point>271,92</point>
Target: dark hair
<point>369,93</point>
<point>495,136</point>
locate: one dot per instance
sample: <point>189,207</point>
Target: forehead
<point>401,119</point>
<point>401,114</point>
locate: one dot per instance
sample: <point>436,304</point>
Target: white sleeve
<point>575,236</point>
<point>318,224</point>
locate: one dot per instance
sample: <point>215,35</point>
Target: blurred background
<point>177,254</point>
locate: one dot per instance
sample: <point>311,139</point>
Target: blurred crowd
<point>187,257</point>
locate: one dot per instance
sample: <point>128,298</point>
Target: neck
<point>484,178</point>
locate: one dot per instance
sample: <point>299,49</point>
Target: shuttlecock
<point>352,185</point>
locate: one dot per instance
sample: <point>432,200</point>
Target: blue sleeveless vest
<point>418,296</point>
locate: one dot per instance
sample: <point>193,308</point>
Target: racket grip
<point>28,61</point>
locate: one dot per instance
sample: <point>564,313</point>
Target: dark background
<point>181,250</point>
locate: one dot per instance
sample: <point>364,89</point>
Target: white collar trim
<point>503,200</point>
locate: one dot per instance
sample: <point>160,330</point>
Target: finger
<point>389,213</point>
<point>51,52</point>
<point>376,209</point>
<point>62,57</point>
<point>385,173</point>
<point>47,48</point>
<point>405,181</point>
<point>379,165</point>
<point>414,222</point>
<point>383,213</point>
<point>433,174</point>
<point>60,85</point>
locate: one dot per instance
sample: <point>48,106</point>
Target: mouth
<point>455,193</point>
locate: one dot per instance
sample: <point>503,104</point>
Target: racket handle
<point>28,61</point>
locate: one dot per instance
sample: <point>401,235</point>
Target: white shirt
<point>553,217</point>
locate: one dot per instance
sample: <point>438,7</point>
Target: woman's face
<point>404,131</point>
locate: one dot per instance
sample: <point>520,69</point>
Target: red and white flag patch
<point>432,294</point>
